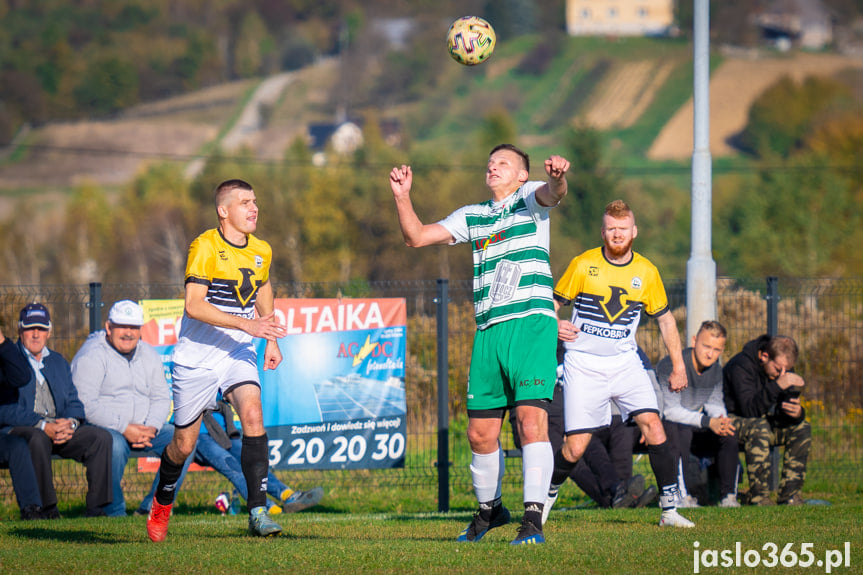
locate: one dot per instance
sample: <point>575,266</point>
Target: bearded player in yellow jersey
<point>229,301</point>
<point>609,287</point>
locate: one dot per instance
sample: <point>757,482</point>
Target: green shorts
<point>513,361</point>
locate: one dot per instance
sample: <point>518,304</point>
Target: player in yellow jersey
<point>608,287</point>
<point>227,282</point>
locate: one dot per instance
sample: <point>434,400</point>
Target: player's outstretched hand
<point>266,327</point>
<point>401,180</point>
<point>556,167</point>
<point>566,330</point>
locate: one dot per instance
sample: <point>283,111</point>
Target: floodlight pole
<point>700,269</point>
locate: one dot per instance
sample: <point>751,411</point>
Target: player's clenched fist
<point>556,166</point>
<point>400,180</point>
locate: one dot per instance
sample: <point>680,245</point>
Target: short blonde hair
<point>618,209</point>
<point>714,328</point>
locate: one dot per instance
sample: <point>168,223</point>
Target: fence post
<point>442,301</point>
<point>95,305</point>
<point>772,298</point>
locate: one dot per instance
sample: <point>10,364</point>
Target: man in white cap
<point>121,382</point>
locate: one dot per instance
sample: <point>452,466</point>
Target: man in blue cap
<point>48,414</point>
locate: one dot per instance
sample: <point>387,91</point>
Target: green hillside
<point>87,182</point>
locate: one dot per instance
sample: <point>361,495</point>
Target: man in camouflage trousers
<point>762,397</point>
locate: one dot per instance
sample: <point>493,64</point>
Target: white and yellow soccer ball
<point>470,40</point>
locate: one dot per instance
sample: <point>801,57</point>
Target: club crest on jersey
<point>636,282</point>
<point>223,256</point>
<point>259,261</point>
<point>614,307</point>
<point>246,289</point>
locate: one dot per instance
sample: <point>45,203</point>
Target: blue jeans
<point>227,462</point>
<point>120,456</point>
<point>15,456</point>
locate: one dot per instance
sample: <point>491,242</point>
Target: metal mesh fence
<point>824,316</point>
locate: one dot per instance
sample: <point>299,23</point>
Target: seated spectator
<point>121,382</point>
<point>48,414</point>
<point>220,445</point>
<point>762,397</point>
<point>14,453</point>
<point>696,415</point>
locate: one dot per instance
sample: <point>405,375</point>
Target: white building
<point>619,17</point>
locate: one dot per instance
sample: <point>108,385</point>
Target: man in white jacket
<point>121,382</point>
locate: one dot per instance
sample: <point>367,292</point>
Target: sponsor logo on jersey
<point>606,332</point>
<point>535,382</point>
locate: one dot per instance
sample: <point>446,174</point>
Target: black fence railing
<point>825,316</point>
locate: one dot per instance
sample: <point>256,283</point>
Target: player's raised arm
<point>554,191</point>
<point>416,233</point>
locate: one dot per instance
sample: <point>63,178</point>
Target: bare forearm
<point>206,312</point>
<point>671,339</point>
<point>409,222</point>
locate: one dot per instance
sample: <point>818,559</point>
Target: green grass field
<point>335,540</point>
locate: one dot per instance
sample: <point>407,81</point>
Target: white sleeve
<point>536,209</point>
<point>456,225</point>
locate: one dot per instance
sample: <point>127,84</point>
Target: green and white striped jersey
<point>510,243</point>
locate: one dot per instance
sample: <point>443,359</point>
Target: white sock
<point>486,470</point>
<point>537,465</point>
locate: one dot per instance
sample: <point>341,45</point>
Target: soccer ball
<point>470,40</point>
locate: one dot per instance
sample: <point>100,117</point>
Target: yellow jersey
<point>232,275</point>
<point>608,299</point>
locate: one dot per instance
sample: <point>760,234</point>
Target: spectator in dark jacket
<point>14,454</point>
<point>47,413</point>
<point>762,396</point>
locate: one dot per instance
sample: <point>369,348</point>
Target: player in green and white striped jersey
<point>513,364</point>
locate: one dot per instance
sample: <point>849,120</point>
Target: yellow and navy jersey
<point>608,299</point>
<point>233,274</point>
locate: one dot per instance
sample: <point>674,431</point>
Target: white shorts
<point>197,388</point>
<point>591,382</point>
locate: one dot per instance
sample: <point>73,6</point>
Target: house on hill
<point>619,17</point>
<point>804,23</point>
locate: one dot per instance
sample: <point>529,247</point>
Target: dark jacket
<point>16,405</point>
<point>14,367</point>
<point>749,392</point>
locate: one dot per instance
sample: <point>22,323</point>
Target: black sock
<point>533,513</point>
<point>562,468</point>
<point>489,509</point>
<point>169,474</point>
<point>664,468</point>
<point>254,460</point>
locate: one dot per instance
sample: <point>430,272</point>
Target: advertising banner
<point>337,401</point>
